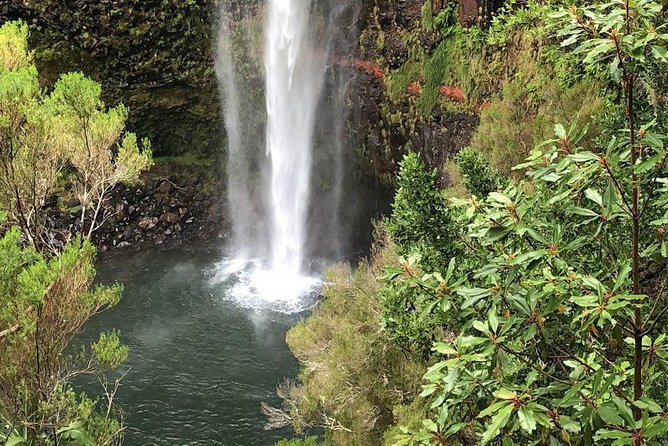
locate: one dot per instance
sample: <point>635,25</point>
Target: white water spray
<point>294,76</point>
<point>237,186</point>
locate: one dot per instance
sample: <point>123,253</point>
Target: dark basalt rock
<point>154,57</point>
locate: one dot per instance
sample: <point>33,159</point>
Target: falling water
<point>237,186</point>
<point>294,74</point>
<point>269,228</point>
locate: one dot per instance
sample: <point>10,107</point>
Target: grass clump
<point>524,114</point>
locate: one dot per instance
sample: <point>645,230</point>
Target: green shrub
<point>44,304</point>
<point>420,218</point>
<point>524,113</point>
<point>478,177</point>
<point>352,376</point>
<point>560,325</point>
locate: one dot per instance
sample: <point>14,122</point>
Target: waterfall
<point>294,75</point>
<point>285,75</point>
<point>268,171</point>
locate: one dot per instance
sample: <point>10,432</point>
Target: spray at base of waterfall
<point>251,285</point>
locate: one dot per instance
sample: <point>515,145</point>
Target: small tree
<point>421,225</point>
<point>41,134</point>
<point>31,144</point>
<point>479,177</point>
<point>420,219</point>
<point>43,305</point>
<point>91,133</point>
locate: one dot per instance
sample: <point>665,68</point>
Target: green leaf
<point>559,131</point>
<point>444,349</point>
<point>648,405</point>
<point>582,211</point>
<point>76,433</point>
<point>529,256</point>
<point>469,341</point>
<point>588,300</point>
<point>492,409</point>
<point>498,422</point>
<point>609,415</point>
<point>594,196</point>
<point>481,327</point>
<point>505,394</point>
<point>427,390</point>
<point>473,295</point>
<point>536,236</point>
<point>648,164</point>
<point>607,434</point>
<point>624,411</point>
<point>582,157</point>
<point>430,425</point>
<point>656,429</point>
<point>16,440</point>
<point>496,196</point>
<point>660,53</point>
<point>453,429</point>
<point>527,420</point>
<point>492,319</point>
<point>497,234</point>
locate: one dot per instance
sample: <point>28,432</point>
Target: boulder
<point>170,217</point>
<point>147,223</point>
<point>165,187</point>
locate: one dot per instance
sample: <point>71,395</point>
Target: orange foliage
<point>364,65</point>
<point>454,93</point>
<point>370,67</point>
<point>414,88</point>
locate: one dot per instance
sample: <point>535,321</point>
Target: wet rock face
<point>153,56</point>
<point>389,125</point>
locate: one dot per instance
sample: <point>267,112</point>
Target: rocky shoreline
<point>169,207</point>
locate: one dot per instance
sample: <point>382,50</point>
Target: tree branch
<point>9,331</point>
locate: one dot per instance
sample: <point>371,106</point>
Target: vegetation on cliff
<point>352,377</point>
<point>497,90</point>
<point>155,57</point>
<point>536,304</point>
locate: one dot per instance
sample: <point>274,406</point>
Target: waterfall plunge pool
<point>200,362</point>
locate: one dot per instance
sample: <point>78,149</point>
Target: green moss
<point>435,72</point>
<point>396,81</point>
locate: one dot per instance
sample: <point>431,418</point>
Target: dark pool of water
<point>199,365</point>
